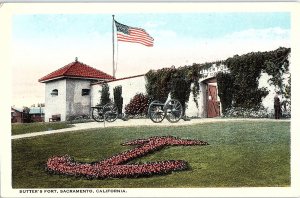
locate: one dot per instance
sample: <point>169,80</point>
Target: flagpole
<point>113,41</point>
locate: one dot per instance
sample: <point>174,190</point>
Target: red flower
<point>115,166</point>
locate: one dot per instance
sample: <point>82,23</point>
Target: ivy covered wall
<point>239,82</point>
<point>240,88</point>
<point>238,79</point>
<point>174,81</point>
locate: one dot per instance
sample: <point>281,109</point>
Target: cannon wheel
<point>173,110</point>
<point>156,112</point>
<point>97,114</point>
<point>111,112</point>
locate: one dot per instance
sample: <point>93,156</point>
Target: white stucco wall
<point>132,86</point>
<point>268,101</point>
<point>192,110</point>
<point>203,100</point>
<point>76,104</point>
<point>55,104</point>
<point>95,94</point>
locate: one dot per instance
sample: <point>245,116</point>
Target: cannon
<point>171,109</point>
<point>107,112</point>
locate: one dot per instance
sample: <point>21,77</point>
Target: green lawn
<point>22,128</point>
<point>250,154</point>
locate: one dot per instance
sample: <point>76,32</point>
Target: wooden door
<point>213,105</point>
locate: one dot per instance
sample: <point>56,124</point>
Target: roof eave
<point>76,77</point>
<point>50,79</point>
<point>118,79</point>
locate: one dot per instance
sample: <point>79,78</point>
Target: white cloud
<point>269,34</point>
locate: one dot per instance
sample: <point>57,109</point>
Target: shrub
<point>239,112</point>
<point>104,94</point>
<point>26,116</point>
<point>138,105</point>
<point>79,118</point>
<point>286,114</point>
<point>118,99</point>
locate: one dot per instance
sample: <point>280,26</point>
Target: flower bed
<point>115,167</point>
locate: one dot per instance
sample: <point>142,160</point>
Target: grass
<point>240,154</point>
<point>22,128</point>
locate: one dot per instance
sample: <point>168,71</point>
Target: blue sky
<point>199,25</point>
<point>43,43</point>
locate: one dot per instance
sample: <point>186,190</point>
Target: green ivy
<point>287,89</point>
<point>239,88</point>
<point>193,74</point>
<point>225,89</point>
<point>287,95</point>
<point>181,88</point>
<point>276,65</point>
<point>158,83</point>
<point>176,81</point>
<point>245,71</point>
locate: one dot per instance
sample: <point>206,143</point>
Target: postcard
<point>148,99</point>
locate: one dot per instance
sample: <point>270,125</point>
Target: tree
<point>104,99</point>
<point>26,115</point>
<point>118,99</point>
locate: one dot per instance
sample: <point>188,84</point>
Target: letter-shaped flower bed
<point>115,167</point>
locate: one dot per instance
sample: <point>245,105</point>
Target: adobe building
<point>208,99</point>
<point>73,89</point>
<point>67,90</point>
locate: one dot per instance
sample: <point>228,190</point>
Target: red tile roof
<point>78,70</point>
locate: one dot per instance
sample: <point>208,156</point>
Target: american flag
<point>135,35</point>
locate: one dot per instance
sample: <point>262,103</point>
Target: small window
<point>54,92</point>
<point>85,92</point>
